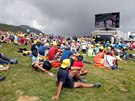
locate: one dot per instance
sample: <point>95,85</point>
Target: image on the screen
<point>107,20</point>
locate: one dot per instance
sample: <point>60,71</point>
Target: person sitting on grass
<point>79,63</point>
<point>96,49</point>
<point>110,61</point>
<point>65,78</point>
<point>36,64</point>
<point>99,57</point>
<point>67,53</point>
<point>52,51</point>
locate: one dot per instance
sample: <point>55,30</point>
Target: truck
<point>129,36</point>
<point>112,36</point>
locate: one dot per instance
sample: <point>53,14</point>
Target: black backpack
<point>47,65</point>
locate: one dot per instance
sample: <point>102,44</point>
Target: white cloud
<point>36,25</point>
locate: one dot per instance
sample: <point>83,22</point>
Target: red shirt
<point>52,52</point>
<point>22,40</point>
<point>132,45</point>
<point>78,63</point>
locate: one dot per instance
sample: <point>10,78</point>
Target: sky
<point>65,17</point>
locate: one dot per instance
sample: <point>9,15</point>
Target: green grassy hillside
<point>11,28</point>
<point>21,28</point>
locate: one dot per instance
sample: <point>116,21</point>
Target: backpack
<point>47,65</point>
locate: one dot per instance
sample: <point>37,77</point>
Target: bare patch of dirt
<point>27,98</point>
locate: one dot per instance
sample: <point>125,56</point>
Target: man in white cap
<point>65,78</point>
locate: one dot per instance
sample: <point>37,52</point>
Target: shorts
<point>70,84</point>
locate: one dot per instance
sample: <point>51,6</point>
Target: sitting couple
<point>65,76</point>
<point>106,60</point>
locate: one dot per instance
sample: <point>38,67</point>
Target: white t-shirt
<point>84,45</point>
<point>36,59</point>
<point>108,61</point>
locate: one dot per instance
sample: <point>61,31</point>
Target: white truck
<point>129,36</point>
<point>112,35</point>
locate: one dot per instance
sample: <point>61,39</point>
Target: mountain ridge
<point>14,28</point>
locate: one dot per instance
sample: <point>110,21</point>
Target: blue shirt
<point>122,45</point>
<point>42,50</point>
<point>18,39</point>
<point>116,46</point>
<point>66,54</point>
<point>107,44</point>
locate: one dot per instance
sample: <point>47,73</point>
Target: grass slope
<point>118,85</point>
<point>12,28</point>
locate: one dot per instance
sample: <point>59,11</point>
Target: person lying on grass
<point>36,64</point>
<point>5,60</point>
<point>65,79</point>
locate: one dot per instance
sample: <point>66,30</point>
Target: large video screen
<point>107,20</point>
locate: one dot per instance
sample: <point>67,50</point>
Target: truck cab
<point>131,36</point>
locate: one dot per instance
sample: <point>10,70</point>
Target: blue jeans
<point>4,60</point>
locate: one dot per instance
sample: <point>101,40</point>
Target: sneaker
<point>2,78</point>
<point>97,85</point>
<point>16,61</point>
<point>13,61</point>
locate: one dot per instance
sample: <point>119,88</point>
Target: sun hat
<point>65,63</point>
<point>54,43</point>
<point>35,41</point>
<point>82,40</point>
<point>101,48</point>
<point>96,44</point>
<point>108,48</point>
<point>92,46</point>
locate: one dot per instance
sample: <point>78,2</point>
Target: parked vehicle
<point>112,36</point>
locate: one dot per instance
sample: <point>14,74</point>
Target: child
<point>38,65</point>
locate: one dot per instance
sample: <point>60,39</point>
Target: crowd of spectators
<point>67,53</point>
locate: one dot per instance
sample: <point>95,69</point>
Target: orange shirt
<point>98,59</point>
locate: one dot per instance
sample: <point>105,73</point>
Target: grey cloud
<point>74,17</point>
